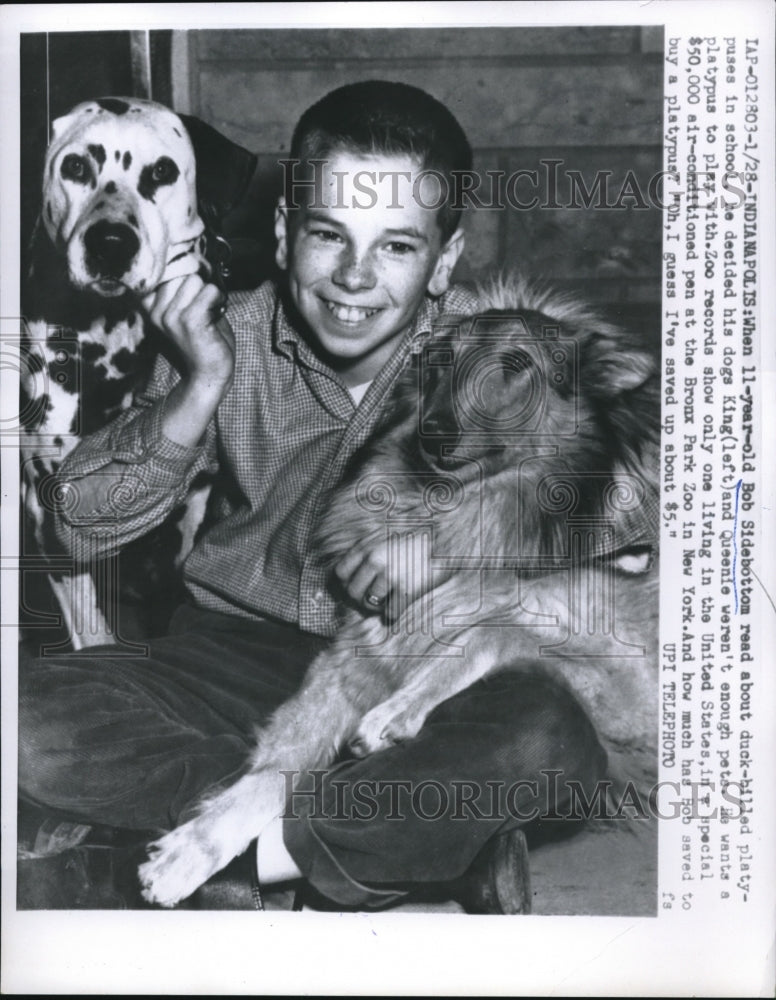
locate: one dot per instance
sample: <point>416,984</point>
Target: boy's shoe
<point>103,876</point>
<point>499,879</point>
<point>235,887</point>
<point>86,877</point>
<point>52,837</point>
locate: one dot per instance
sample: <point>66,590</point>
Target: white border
<point>242,953</point>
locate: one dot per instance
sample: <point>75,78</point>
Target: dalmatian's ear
<point>224,169</point>
<point>61,125</point>
<point>65,123</point>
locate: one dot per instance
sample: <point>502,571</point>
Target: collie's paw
<point>177,866</point>
<point>384,726</point>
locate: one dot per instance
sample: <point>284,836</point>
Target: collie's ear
<point>609,368</point>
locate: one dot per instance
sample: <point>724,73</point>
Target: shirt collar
<point>286,339</point>
<point>423,323</point>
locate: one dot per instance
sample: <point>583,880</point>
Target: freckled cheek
<point>309,265</point>
<point>407,284</point>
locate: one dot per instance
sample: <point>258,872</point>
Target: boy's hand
<point>189,311</point>
<point>386,581</point>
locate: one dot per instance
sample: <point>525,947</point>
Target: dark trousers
<point>134,742</point>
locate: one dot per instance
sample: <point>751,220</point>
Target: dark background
<point>590,97</point>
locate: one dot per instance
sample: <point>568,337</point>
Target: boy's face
<point>359,274</point>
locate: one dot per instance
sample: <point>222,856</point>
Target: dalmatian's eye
<point>76,168</point>
<point>160,174</point>
<point>165,171</point>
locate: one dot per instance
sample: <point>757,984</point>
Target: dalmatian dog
<point>119,217</point>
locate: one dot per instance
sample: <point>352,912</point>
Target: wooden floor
<point>610,873</point>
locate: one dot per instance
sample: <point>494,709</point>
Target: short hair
<point>383,117</point>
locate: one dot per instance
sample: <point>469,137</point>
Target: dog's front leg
<point>182,860</point>
<point>401,716</point>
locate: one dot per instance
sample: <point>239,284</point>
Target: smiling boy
<point>276,397</point>
<point>358,275</point>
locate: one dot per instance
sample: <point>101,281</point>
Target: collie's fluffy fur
<point>521,444</point>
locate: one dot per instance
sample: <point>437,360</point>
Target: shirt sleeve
<point>124,480</point>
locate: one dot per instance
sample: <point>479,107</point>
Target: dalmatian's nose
<point>110,248</point>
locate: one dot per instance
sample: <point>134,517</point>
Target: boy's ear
<point>281,234</point>
<point>439,281</point>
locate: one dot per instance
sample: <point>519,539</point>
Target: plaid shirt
<point>281,439</point>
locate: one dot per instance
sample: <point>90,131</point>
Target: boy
<point>277,397</point>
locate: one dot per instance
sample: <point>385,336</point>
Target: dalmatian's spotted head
<point>119,197</point>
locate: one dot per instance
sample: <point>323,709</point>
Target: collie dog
<point>518,454</point>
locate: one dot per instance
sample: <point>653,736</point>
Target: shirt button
<point>318,597</point>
